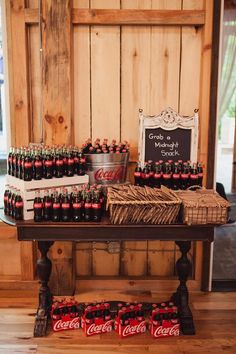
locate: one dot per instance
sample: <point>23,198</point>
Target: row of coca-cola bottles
<point>13,203</point>
<point>174,175</point>
<point>98,147</point>
<point>82,204</point>
<point>39,162</point>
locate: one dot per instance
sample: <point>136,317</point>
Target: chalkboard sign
<point>168,136</point>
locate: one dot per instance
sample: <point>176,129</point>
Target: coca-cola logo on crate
<point>167,331</point>
<point>62,325</point>
<point>114,174</point>
<point>99,328</point>
<point>129,329</point>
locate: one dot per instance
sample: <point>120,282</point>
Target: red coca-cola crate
<point>130,321</point>
<point>164,322</point>
<point>97,319</point>
<point>65,316</point>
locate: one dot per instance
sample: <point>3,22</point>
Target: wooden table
<point>46,233</point>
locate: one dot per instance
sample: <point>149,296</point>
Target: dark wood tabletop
<point>105,231</point>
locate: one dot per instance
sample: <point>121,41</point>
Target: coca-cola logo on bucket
<point>167,331</point>
<point>62,325</point>
<point>114,174</point>
<point>99,328</point>
<point>134,329</point>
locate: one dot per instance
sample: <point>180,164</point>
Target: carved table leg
<point>44,267</point>
<point>184,268</point>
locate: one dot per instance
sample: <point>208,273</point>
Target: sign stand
<point>168,136</point>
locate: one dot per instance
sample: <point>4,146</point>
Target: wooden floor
<point>215,319</point>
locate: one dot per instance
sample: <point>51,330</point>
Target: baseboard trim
<point>223,285</point>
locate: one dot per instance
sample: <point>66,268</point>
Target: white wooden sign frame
<point>168,120</point>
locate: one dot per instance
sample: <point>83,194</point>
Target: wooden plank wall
<point>110,72</point>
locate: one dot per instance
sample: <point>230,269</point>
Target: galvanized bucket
<point>107,168</point>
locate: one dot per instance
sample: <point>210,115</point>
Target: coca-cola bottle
<point>107,312</point>
<point>48,165</point>
<point>6,210</point>
<point>76,207</point>
<point>151,173</point>
<point>157,175</point>
<point>13,196</point>
<point>18,206</point>
<point>184,176</point>
<point>9,170</point>
<point>140,315</point>
<point>176,177</point>
<point>200,173</point>
<point>47,206</point>
<point>19,162</point>
<point>88,208</point>
<point>124,318</point>
<point>9,201</point>
<point>65,207</point>
<point>146,175</point>
<point>16,158</point>
<point>38,207</point>
<point>138,175</point>
<point>13,166</point>
<point>156,318</point>
<point>167,175</point>
<point>28,166</point>
<point>82,164</point>
<point>59,169</point>
<point>56,314</point>
<point>96,208</point>
<point>76,160</point>
<point>89,316</point>
<point>65,161</point>
<point>70,164</point>
<point>194,175</point>
<point>56,207</point>
<point>38,166</point>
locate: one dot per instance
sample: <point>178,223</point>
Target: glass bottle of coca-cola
<point>56,207</point>
<point>59,169</point>
<point>9,201</point>
<point>138,175</point>
<point>167,175</point>
<point>13,165</point>
<point>82,163</point>
<point>47,206</point>
<point>16,158</point>
<point>184,176</point>
<point>76,207</point>
<point>146,175</point>
<point>70,163</point>
<point>48,165</point>
<point>176,177</point>
<point>65,161</point>
<point>28,166</point>
<point>193,175</point>
<point>18,206</point>
<point>6,210</point>
<point>13,196</point>
<point>88,208</point>
<point>65,206</point>
<point>200,173</point>
<point>75,154</point>
<point>38,207</point>
<point>157,175</point>
<point>96,207</point>
<point>9,161</point>
<point>151,173</point>
<point>38,166</point>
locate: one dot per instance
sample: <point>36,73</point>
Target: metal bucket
<point>107,168</point>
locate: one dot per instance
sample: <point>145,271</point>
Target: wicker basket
<point>203,207</point>
<point>142,205</point>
